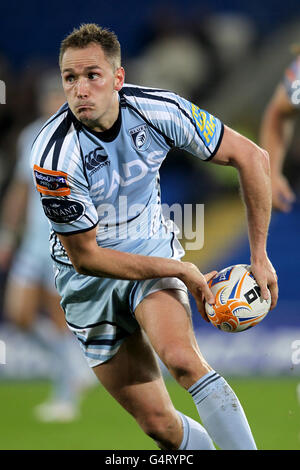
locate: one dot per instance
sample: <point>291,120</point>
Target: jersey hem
<point>76,231</point>
<point>218,144</point>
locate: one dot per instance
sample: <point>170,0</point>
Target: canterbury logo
<point>95,158</point>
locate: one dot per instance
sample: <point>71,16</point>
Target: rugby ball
<point>238,304</point>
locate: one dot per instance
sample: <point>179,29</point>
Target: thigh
<point>134,379</point>
<point>21,302</point>
<point>165,316</point>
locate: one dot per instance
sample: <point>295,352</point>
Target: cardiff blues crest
<point>140,137</point>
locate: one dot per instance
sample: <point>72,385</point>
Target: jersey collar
<point>106,136</point>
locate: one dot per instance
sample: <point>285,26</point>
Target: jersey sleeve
<point>291,82</point>
<point>60,180</point>
<point>198,131</point>
<point>183,123</point>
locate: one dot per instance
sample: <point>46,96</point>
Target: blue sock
<point>195,436</point>
<point>221,413</point>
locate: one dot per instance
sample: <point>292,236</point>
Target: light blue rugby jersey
<point>111,179</point>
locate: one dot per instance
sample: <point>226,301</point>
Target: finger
<point>210,275</point>
<point>262,283</point>
<point>208,295</point>
<point>288,193</point>
<point>281,205</point>
<point>273,287</point>
<point>200,303</point>
<point>290,196</point>
<point>201,309</point>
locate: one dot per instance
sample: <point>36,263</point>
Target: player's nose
<point>82,89</point>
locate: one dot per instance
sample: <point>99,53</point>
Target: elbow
<point>265,161</point>
<point>79,264</point>
<point>255,158</point>
<point>261,160</point>
<point>81,267</point>
<point>87,266</point>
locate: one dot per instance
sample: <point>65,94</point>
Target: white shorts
<point>100,311</point>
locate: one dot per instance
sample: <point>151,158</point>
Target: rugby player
<point>119,272</point>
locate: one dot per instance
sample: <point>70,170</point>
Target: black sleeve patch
<point>62,211</point>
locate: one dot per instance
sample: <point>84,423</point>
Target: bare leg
<point>166,319</point>
<point>21,303</point>
<point>134,379</point>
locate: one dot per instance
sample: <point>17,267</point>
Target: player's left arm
<point>253,166</point>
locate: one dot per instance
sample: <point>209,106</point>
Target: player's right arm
<point>91,260</point>
<point>276,131</point>
<point>65,196</point>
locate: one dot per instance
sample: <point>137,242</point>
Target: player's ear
<point>119,78</point>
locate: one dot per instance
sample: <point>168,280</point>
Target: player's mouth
<point>83,107</point>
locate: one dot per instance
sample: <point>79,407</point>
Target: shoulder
<point>145,98</point>
<point>46,127</point>
<point>56,136</point>
<point>162,109</point>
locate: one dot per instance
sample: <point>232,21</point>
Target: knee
<point>23,323</point>
<point>164,428</point>
<point>18,318</point>
<point>186,365</point>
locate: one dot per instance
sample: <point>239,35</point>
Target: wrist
<point>181,271</point>
<point>184,268</point>
<point>259,256</point>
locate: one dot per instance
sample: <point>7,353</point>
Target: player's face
<point>91,85</point>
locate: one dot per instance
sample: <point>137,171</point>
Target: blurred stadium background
<point>228,58</point>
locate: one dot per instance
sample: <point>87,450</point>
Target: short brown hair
<point>92,33</point>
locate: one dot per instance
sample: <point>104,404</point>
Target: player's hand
<point>266,277</point>
<point>282,194</point>
<point>197,284</point>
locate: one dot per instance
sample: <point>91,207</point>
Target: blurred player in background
<point>277,130</point>
<point>123,287</point>
<point>30,285</point>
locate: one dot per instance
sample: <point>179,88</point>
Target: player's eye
<point>69,78</point>
<point>93,75</point>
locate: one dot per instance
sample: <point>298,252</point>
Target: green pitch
<point>270,404</point>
